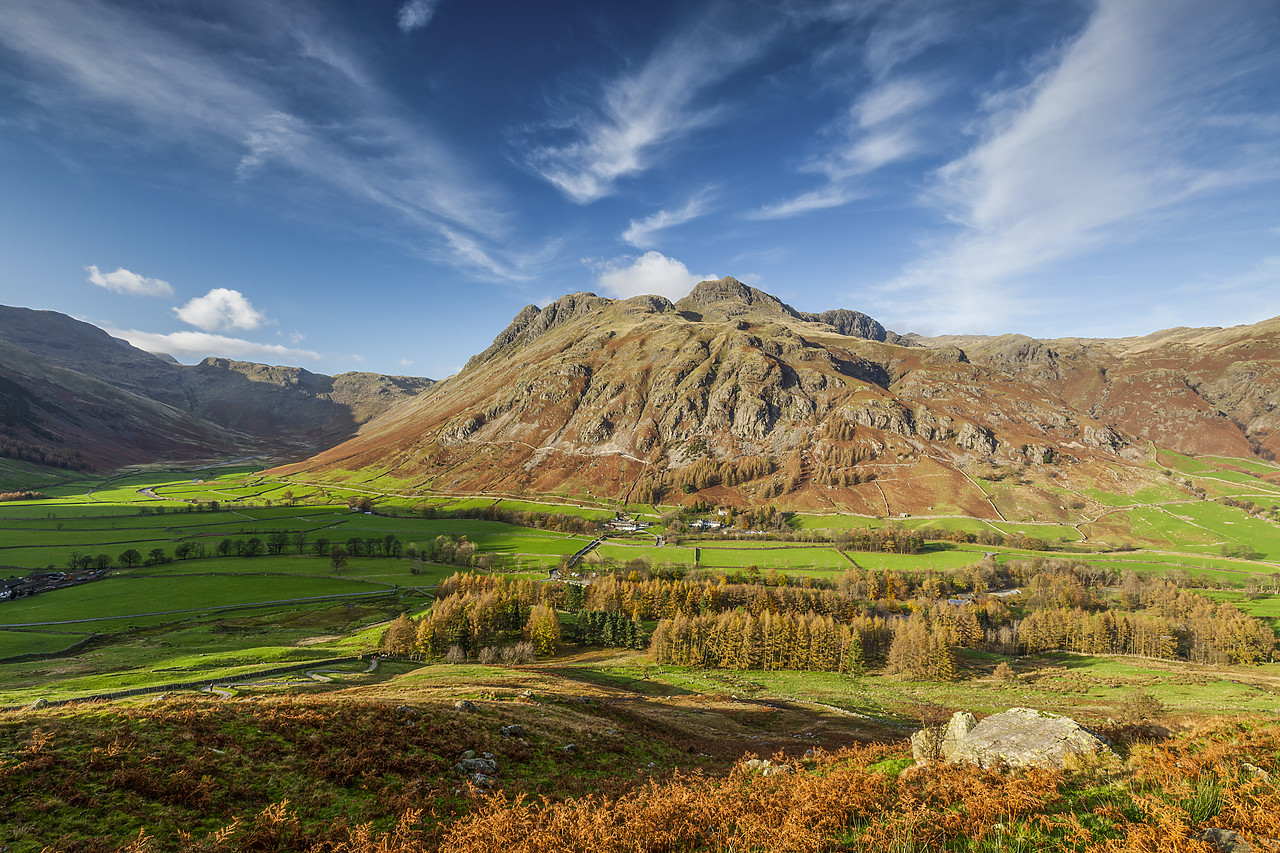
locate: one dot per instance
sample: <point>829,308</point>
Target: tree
<point>338,559</point>
<point>183,550</point>
<point>253,547</point>
<point>300,541</point>
<point>543,629</point>
<point>320,547</point>
<point>277,541</point>
<point>224,547</point>
<point>131,558</point>
<point>102,562</point>
<point>400,637</point>
<point>157,557</point>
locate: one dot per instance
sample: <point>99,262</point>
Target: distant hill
<point>734,396</point>
<point>72,395</point>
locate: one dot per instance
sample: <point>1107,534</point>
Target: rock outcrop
<point>1019,737</point>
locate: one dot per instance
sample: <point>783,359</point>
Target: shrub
<point>522,652</point>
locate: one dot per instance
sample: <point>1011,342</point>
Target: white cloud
<point>819,199</point>
<point>642,112</point>
<point>219,310</point>
<point>356,357</point>
<point>1109,134</point>
<point>641,232</point>
<point>406,362</point>
<point>651,273</point>
<point>124,281</point>
<point>196,345</point>
<point>416,14</point>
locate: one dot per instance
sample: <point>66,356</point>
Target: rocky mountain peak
<point>726,298</point>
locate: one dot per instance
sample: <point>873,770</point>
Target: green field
<point>108,515</point>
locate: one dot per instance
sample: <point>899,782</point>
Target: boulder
<point>765,767</point>
<point>1019,737</point>
<point>486,766</point>
<point>466,705</point>
<point>1226,841</point>
<point>515,730</point>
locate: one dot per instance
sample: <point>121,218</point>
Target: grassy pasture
<point>120,598</point>
<point>94,524</point>
<point>32,642</point>
<point>1263,606</point>
<point>785,558</point>
<point>1066,683</point>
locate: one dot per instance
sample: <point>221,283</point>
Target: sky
<point>381,185</point>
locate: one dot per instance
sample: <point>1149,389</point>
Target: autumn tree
<point>543,629</point>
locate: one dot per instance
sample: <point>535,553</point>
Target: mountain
<point>1198,391</point>
<point>734,396</point>
<point>71,394</point>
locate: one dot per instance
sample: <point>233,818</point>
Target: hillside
<point>1197,391</point>
<point>71,393</point>
<point>735,396</point>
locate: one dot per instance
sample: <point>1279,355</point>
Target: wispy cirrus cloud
<point>295,111</point>
<point>630,125</point>
<point>416,14</point>
<point>189,345</point>
<point>883,125</point>
<point>641,233</point>
<point>1117,128</point>
<point>124,281</point>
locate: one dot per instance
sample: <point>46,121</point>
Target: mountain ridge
<point>70,390</point>
<point>630,398</point>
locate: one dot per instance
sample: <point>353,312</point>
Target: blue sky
<point>382,185</point>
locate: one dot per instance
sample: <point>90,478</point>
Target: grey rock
<point>846,322</point>
<point>765,767</point>
<point>486,766</point>
<point>976,438</point>
<point>958,728</point>
<point>1226,841</point>
<point>939,743</point>
<point>39,703</point>
<point>1255,771</point>
<point>470,753</point>
<point>480,780</point>
<point>512,731</point>
<point>1019,737</point>
<point>569,747</point>
<point>466,705</point>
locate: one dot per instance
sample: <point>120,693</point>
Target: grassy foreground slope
<point>612,756</point>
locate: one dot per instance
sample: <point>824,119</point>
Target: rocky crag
<point>731,395</point>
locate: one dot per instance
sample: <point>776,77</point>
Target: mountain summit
<point>732,394</point>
